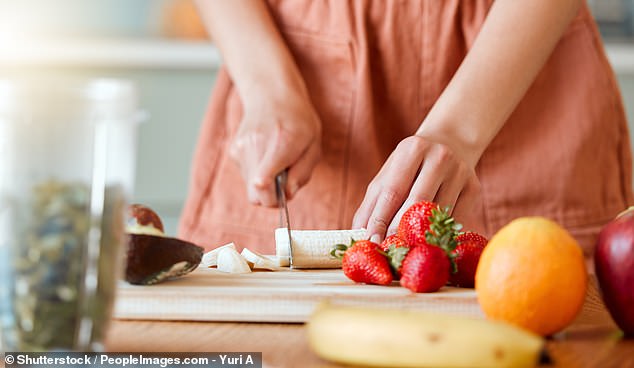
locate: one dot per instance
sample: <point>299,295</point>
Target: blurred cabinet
<point>615,17</point>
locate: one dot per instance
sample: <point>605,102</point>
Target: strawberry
<point>415,222</point>
<point>471,236</point>
<point>426,267</point>
<point>467,255</point>
<point>363,261</point>
<point>394,240</point>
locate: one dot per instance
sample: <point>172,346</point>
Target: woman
<point>499,109</point>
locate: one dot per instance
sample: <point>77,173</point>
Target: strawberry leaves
<point>442,232</point>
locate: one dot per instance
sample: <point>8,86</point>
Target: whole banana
<point>397,338</point>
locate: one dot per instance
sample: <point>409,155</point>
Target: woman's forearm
<point>253,50</point>
<point>515,41</point>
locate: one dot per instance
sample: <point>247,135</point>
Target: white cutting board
<point>284,296</point>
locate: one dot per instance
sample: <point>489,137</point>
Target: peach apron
<point>374,70</point>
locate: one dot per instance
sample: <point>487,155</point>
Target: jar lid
<point>108,99</point>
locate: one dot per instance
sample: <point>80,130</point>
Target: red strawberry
<point>425,269</point>
<point>471,236</point>
<point>363,261</point>
<point>467,254</point>
<point>415,222</point>
<point>394,240</point>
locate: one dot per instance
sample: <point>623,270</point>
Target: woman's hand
<point>419,169</point>
<point>274,135</point>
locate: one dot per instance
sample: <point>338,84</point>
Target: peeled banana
<point>311,248</point>
<point>398,338</point>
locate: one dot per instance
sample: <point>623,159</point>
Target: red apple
<point>614,265</point>
<point>140,215</point>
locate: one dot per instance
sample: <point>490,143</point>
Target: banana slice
<point>210,259</point>
<point>260,261</point>
<point>230,261</point>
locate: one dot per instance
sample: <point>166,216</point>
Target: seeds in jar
<point>49,252</point>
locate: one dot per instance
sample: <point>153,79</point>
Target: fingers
<point>425,187</point>
<point>363,213</point>
<point>280,153</point>
<point>244,151</point>
<point>393,187</point>
<point>262,194</point>
<point>455,179</point>
<point>261,157</point>
<point>388,202</point>
<point>300,172</point>
<point>393,227</point>
<point>417,170</point>
<point>361,217</point>
<point>468,210</point>
<point>247,151</point>
<point>284,154</point>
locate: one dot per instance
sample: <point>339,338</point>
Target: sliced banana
<point>210,259</point>
<point>230,261</point>
<point>311,248</point>
<point>260,261</point>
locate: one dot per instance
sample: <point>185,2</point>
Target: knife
<point>280,185</point>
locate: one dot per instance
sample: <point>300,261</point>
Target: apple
<point>143,220</point>
<point>614,265</point>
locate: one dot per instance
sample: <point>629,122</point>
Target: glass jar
<point>67,154</point>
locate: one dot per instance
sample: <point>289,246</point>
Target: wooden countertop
<point>591,341</point>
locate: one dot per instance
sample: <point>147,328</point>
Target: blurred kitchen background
<point>162,45</point>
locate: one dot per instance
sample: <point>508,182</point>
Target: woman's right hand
<point>276,134</point>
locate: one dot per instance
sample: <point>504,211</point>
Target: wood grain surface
<point>285,296</point>
<point>591,341</point>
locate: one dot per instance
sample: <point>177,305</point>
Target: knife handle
<point>280,185</point>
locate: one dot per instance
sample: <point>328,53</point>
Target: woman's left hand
<point>419,169</point>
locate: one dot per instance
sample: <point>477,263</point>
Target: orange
<point>532,274</point>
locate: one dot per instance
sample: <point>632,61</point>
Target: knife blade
<point>280,185</point>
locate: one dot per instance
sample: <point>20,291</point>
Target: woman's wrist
<point>460,135</point>
<point>280,80</point>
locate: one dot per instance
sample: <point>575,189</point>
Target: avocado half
<point>152,259</point>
